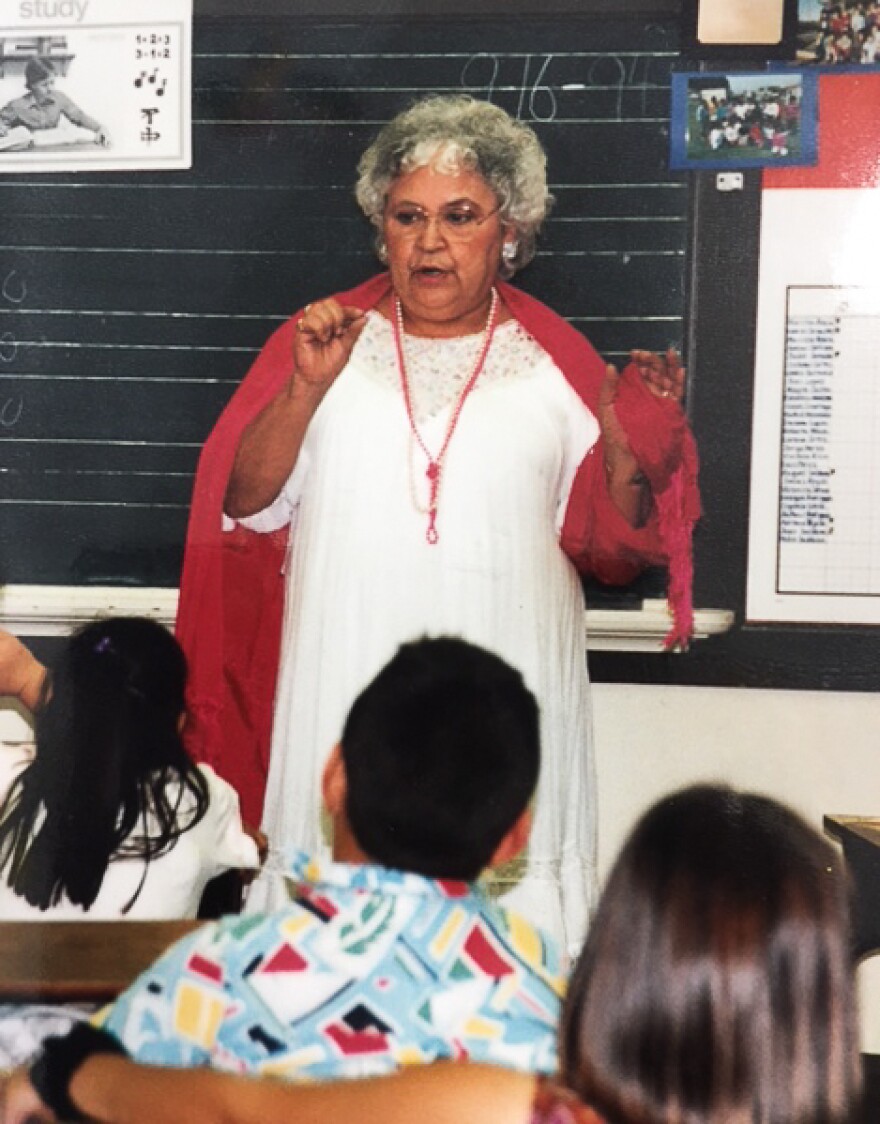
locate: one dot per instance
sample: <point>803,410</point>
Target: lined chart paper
<point>829,516</point>
<point>814,513</point>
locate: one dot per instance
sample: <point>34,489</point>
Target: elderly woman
<point>431,452</point>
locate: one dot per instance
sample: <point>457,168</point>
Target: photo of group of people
<point>831,32</point>
<point>726,120</point>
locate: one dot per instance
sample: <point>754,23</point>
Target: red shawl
<point>232,587</point>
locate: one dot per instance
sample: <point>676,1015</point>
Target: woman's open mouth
<point>430,273</point>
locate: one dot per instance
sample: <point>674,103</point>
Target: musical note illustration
<point>152,80</point>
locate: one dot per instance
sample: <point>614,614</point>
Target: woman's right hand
<point>323,338</point>
<point>325,334</point>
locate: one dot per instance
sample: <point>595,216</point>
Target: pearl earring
<point>382,251</point>
<point>508,251</point>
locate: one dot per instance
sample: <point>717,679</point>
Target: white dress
<point>174,881</point>
<point>362,578</point>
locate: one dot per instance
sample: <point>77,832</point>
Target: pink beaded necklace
<point>435,463</point>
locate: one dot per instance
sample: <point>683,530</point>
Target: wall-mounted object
<point>757,29</point>
<point>843,35</point>
<point>743,119</point>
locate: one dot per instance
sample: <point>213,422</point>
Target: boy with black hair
<point>389,955</point>
<point>441,753</point>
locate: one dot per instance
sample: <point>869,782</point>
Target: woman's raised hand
<point>323,338</point>
<point>325,334</point>
<point>663,375</point>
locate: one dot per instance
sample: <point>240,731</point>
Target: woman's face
<point>444,241</point>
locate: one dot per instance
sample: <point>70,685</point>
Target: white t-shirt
<point>174,881</point>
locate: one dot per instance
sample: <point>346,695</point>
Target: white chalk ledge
<point>52,610</point>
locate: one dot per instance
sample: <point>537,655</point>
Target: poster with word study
<point>814,521</point>
<point>95,85</point>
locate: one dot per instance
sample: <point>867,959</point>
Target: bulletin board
<point>784,274</point>
<point>814,544</point>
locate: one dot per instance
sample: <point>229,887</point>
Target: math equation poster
<point>814,522</point>
<point>95,85</point>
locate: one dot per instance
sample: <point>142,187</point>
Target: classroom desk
<point>860,838</point>
<point>79,961</point>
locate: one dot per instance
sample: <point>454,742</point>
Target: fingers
<point>608,389</point>
<point>617,448</point>
<point>324,337</point>
<point>327,320</point>
<point>662,374</point>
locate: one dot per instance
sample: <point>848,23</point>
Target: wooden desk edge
<point>80,961</point>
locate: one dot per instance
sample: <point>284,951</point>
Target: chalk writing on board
<point>13,291</point>
<point>8,347</point>
<point>528,76</point>
<point>541,99</point>
<point>14,287</point>
<point>11,411</point>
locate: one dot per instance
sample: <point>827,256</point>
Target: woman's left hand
<point>663,375</point>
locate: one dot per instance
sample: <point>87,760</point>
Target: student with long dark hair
<point>106,815</point>
<point>716,987</point>
<point>716,983</point>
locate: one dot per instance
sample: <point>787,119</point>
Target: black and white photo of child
<point>44,116</point>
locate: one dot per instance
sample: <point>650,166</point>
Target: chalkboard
<point>132,304</point>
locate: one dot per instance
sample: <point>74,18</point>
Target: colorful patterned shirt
<point>366,970</point>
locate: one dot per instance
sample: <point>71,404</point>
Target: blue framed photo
<point>743,119</point>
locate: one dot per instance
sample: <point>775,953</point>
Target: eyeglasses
<point>458,223</point>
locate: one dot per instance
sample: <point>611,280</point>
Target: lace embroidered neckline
<point>437,369</point>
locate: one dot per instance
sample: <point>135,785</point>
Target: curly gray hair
<point>456,132</point>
